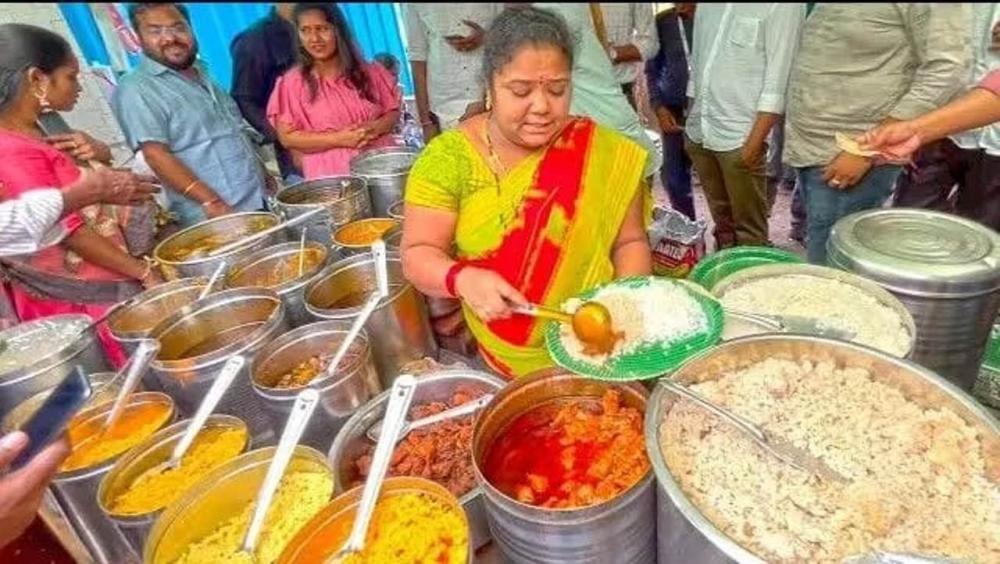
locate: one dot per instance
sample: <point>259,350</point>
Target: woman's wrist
<point>451,278</point>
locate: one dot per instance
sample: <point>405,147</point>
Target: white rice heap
<point>659,312</point>
<point>919,480</point>
<point>838,305</point>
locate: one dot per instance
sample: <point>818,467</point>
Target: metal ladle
<point>305,405</point>
<point>591,324</point>
<point>144,355</point>
<point>243,241</point>
<point>395,415</point>
<point>375,431</point>
<point>212,280</point>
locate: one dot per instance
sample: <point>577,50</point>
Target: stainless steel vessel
<point>386,171</point>
<point>254,269</point>
<point>355,382</point>
<point>75,490</point>
<point>399,328</point>
<point>345,199</point>
<point>943,268</point>
<point>132,323</point>
<point>195,344</point>
<point>620,530</point>
<point>684,533</point>
<point>150,453</point>
<point>37,355</point>
<point>346,248</point>
<point>432,387</point>
<point>225,229</point>
<point>395,211</point>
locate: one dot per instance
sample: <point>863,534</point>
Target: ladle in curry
<point>468,408</point>
<point>591,323</point>
<point>243,241</point>
<point>137,366</point>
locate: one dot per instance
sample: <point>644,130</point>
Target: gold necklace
<point>496,167</point>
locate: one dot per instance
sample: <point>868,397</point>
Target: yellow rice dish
<point>92,444</point>
<point>299,497</point>
<point>155,489</point>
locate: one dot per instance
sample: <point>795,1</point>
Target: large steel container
<point>196,342</point>
<point>37,355</point>
<point>883,297</point>
<point>345,199</point>
<point>254,270</point>
<point>132,322</point>
<point>345,246</point>
<point>395,211</point>
<point>620,530</point>
<point>150,453</point>
<point>225,229</point>
<point>347,503</point>
<point>74,491</point>
<point>685,534</point>
<point>386,171</point>
<point>943,268</point>
<point>431,387</point>
<point>399,328</point>
<point>221,495</point>
<point>354,383</point>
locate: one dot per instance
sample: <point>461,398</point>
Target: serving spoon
<point>591,323</point>
<point>375,431</point>
<point>243,241</point>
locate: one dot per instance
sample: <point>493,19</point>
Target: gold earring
<point>42,96</point>
<point>489,101</point>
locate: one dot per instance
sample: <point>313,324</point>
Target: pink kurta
<point>30,164</point>
<point>337,106</point>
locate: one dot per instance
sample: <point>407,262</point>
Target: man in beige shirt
<point>860,65</point>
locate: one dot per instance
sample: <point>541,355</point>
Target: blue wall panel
<point>81,23</point>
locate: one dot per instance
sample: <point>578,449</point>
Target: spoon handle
<point>263,233</point>
<point>302,411</point>
<point>395,415</point>
<point>215,393</point>
<point>743,424</point>
<point>137,366</point>
<point>543,312</point>
<point>213,280</point>
<point>466,408</point>
<point>302,250</point>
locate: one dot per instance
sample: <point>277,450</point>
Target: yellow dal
<point>155,489</point>
<point>364,232</point>
<point>91,447</point>
<point>299,497</point>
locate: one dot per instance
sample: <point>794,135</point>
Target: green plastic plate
<point>716,266</point>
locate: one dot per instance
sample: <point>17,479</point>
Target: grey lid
<point>918,252</point>
<point>34,344</point>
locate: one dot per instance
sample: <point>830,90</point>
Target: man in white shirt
<point>444,47</point>
<point>970,160</point>
<point>631,37</point>
<point>740,61</point>
<point>31,221</point>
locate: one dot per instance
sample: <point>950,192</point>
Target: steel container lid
<point>918,252</point>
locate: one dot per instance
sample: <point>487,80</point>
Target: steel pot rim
<point>514,506</point>
<point>355,247</point>
<point>75,348</point>
<point>275,251</point>
<point>152,294</point>
<point>655,414</point>
<point>201,225</point>
<point>350,178</point>
<point>343,265</point>
<point>360,158</point>
<point>294,337</point>
<point>444,375</point>
<point>212,301</point>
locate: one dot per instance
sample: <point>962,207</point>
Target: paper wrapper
<point>677,243</point>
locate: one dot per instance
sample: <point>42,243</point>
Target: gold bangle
<point>150,263</point>
<point>189,187</point>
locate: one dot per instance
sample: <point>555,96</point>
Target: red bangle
<point>452,276</point>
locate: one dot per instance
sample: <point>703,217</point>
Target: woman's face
<point>531,96</point>
<point>318,36</point>
<point>61,86</point>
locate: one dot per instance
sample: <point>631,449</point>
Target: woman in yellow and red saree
<point>525,203</point>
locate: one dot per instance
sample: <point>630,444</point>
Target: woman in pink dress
<point>334,104</point>
<point>91,269</point>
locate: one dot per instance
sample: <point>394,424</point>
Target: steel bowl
<point>134,320</point>
<point>345,199</point>
<point>252,269</point>
<point>230,228</point>
<point>683,529</point>
<point>348,248</point>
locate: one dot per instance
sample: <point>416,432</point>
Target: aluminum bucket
<point>386,171</point>
<point>340,397</point>
<point>151,452</point>
<point>344,197</point>
<point>50,360</point>
<point>228,228</point>
<point>249,272</point>
<point>620,530</point>
<point>220,495</point>
<point>684,533</point>
<point>297,550</point>
<point>346,248</point>
<point>431,387</point>
<point>132,323</point>
<point>866,286</point>
<point>395,211</point>
<point>74,492</point>
<point>399,328</point>
<point>196,342</point>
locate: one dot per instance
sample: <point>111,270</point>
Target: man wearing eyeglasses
<point>189,130</point>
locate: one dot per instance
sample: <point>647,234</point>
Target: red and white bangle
<point>452,277</point>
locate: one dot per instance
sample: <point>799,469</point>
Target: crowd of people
<point>536,180</point>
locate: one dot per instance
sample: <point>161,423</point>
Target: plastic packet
<point>677,243</point>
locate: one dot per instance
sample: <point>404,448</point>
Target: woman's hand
<point>109,186</point>
<point>81,147</point>
<point>153,278</point>
<point>846,170</point>
<point>487,293</point>
<point>216,208</point>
